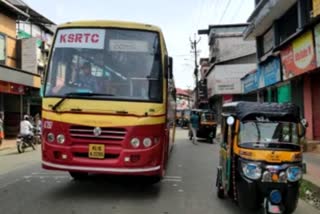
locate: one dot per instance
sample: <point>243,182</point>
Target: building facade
<point>287,34</point>
<point>230,58</point>
<point>21,64</point>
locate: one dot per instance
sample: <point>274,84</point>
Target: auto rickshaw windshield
<point>268,132</point>
<point>207,117</point>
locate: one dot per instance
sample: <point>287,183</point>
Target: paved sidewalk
<point>8,144</point>
<point>312,159</point>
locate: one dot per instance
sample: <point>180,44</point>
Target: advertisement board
<point>298,57</point>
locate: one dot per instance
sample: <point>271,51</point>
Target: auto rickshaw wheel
<point>220,190</point>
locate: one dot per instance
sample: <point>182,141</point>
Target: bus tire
<point>78,175</point>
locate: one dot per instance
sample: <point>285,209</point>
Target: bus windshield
<point>120,64</point>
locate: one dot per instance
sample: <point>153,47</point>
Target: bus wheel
<point>78,175</point>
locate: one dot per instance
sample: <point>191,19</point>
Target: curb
<point>310,193</point>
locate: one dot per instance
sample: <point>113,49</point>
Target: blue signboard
<point>250,82</point>
<point>270,72</point>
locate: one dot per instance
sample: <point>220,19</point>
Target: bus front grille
<point>93,133</point>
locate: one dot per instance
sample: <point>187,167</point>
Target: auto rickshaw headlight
<point>251,170</point>
<point>294,173</point>
<point>266,176</point>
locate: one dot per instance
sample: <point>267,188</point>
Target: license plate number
<point>96,151</point>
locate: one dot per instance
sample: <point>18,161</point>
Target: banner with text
<point>299,56</point>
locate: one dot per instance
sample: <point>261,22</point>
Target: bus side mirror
<point>168,67</point>
<point>41,91</point>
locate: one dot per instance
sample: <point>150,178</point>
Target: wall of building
<point>8,28</point>
<point>227,48</point>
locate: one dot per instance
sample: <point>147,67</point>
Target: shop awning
<point>17,76</point>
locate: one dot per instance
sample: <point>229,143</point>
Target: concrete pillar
<point>308,113</point>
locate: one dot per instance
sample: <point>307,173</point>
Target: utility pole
<point>194,44</point>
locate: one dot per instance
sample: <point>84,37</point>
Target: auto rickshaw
<point>207,125</point>
<point>261,155</point>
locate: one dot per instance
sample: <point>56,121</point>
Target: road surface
<point>188,188</point>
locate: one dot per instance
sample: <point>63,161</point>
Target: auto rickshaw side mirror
<point>304,125</point>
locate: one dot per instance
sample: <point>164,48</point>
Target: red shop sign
<point>299,56</point>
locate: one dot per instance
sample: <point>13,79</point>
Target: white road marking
<point>172,177</point>
<point>180,190</point>
<point>45,173</point>
<point>175,185</point>
<point>171,180</point>
<point>48,176</point>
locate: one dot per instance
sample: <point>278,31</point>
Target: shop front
<point>18,89</point>
<point>298,61</point>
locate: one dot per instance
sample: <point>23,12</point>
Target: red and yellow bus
<point>108,100</point>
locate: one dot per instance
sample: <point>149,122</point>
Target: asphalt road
<point>188,187</point>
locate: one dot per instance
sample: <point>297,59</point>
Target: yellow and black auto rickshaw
<point>207,124</point>
<point>261,155</point>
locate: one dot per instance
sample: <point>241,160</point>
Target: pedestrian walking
<point>194,125</point>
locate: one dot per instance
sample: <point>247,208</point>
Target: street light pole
<point>194,44</point>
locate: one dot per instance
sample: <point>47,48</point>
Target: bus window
<point>126,64</point>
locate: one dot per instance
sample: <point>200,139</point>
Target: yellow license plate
<point>96,151</point>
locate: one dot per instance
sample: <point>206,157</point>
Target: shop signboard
<point>299,56</point>
<point>11,88</point>
<point>226,79</point>
<point>315,8</point>
<point>270,72</point>
<point>250,82</point>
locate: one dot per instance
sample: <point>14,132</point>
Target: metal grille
<point>86,132</point>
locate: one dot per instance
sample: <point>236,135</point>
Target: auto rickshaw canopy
<point>272,111</point>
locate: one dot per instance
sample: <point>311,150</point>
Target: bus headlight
<point>60,139</point>
<point>294,173</point>
<point>50,137</point>
<point>251,170</point>
<point>147,142</point>
<point>135,142</point>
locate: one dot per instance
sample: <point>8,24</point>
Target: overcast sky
<point>179,20</point>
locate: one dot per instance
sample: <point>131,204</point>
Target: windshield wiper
<point>77,94</point>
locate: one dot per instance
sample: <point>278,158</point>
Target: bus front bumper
<point>120,161</point>
<point>112,170</point>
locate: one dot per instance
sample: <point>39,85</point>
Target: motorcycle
<point>25,141</point>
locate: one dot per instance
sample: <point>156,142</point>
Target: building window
<point>305,9</point>
<point>267,41</point>
<point>2,49</point>
<point>288,23</point>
